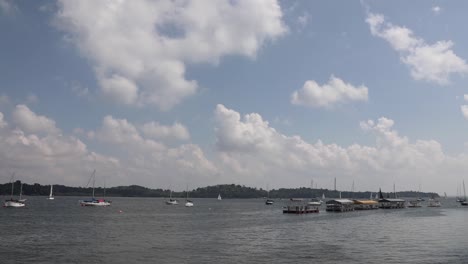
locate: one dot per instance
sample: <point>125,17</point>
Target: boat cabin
<point>388,203</point>
<point>365,204</point>
<point>340,205</point>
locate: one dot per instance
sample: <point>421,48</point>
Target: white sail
<point>51,196</point>
<point>219,197</point>
<point>323,195</point>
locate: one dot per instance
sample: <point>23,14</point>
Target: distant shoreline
<point>225,190</point>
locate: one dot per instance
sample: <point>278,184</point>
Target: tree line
<point>225,190</point>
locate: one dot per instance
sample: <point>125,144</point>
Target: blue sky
<point>250,92</point>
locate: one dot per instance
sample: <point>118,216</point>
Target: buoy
<point>120,211</point>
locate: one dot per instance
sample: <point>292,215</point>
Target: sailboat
<point>219,197</point>
<point>268,200</point>
<point>51,197</point>
<point>171,201</point>
<point>323,196</point>
<point>464,202</point>
<point>13,203</point>
<point>94,201</point>
<point>188,203</point>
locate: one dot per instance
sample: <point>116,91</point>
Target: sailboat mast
<point>464,192</point>
<point>12,184</point>
<point>94,180</point>
<point>21,191</point>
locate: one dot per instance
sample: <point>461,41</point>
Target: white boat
<point>171,201</point>
<point>13,203</point>
<point>219,197</point>
<point>188,203</point>
<point>93,201</point>
<point>268,200</point>
<point>433,203</point>
<point>315,202</point>
<point>51,197</point>
<point>414,204</point>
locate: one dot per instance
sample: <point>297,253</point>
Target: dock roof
<point>340,201</point>
<point>367,202</point>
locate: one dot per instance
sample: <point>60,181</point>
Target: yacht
<point>171,201</point>
<point>93,201</point>
<point>14,203</point>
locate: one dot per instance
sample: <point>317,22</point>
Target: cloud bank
<point>140,49</point>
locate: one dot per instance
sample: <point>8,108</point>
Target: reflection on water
<point>145,230</point>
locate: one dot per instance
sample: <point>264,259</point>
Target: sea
<point>146,230</point>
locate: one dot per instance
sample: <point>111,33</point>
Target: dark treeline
<point>226,191</point>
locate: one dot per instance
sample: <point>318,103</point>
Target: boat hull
<point>95,203</point>
<point>13,204</point>
<point>188,204</point>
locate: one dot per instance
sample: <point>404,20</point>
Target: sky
<point>169,94</point>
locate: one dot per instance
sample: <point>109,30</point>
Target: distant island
<point>226,191</point>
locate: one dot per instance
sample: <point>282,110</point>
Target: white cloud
<point>47,157</point>
<point>153,161</point>
<point>30,122</point>
<point>436,9</point>
<point>464,110</point>
<point>140,49</point>
<point>3,123</point>
<point>157,131</point>
<point>432,63</point>
<point>255,152</point>
<point>334,92</point>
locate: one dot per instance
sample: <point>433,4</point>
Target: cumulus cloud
<point>158,131</point>
<point>334,92</point>
<point>46,157</point>
<point>154,41</point>
<point>432,63</point>
<point>152,160</point>
<point>30,122</point>
<point>37,153</point>
<point>249,147</point>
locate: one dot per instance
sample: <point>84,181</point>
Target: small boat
<point>171,201</point>
<point>414,204</point>
<point>188,203</point>
<point>268,200</point>
<point>315,202</point>
<point>219,197</point>
<point>433,203</point>
<point>13,203</point>
<point>93,201</point>
<point>51,197</point>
